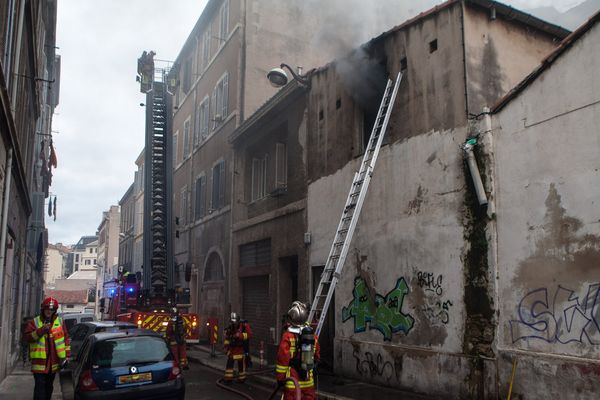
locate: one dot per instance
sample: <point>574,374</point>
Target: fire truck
<point>147,299</point>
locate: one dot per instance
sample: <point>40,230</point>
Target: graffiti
<point>429,282</point>
<point>382,313</point>
<point>564,318</point>
<point>373,366</point>
<point>439,312</point>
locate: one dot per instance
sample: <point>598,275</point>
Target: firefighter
<point>49,348</point>
<point>176,338</point>
<point>298,354</point>
<point>237,335</point>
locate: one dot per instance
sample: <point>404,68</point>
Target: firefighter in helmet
<point>176,337</point>
<point>49,348</point>
<point>297,354</point>
<point>237,335</point>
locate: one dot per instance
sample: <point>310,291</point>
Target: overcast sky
<point>99,120</point>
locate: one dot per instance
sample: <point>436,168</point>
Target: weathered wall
<point>406,251</point>
<point>546,150</point>
<point>499,53</point>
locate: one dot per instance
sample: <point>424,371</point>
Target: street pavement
<point>205,370</point>
<point>19,385</point>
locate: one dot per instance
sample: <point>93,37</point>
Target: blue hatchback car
<point>129,364</point>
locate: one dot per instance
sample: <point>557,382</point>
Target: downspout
<point>4,219</point>
<point>464,53</point>
<point>12,85</point>
<point>243,64</point>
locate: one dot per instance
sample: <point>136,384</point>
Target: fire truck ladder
<point>358,191</point>
<point>158,253</point>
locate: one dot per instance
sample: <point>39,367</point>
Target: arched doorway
<point>212,295</point>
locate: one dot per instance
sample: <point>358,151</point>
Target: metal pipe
<point>4,218</point>
<point>477,183</point>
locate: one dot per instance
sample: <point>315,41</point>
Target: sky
<point>99,123</point>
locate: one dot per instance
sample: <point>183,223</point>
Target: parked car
<point>79,332</point>
<point>128,364</point>
<point>70,319</point>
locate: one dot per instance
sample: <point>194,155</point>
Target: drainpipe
<point>4,218</point>
<point>474,170</point>
<point>17,51</point>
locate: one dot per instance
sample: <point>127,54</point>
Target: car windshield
<point>134,350</point>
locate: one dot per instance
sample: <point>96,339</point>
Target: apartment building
<point>126,234</point>
<point>55,263</point>
<point>221,72</point>
<point>29,82</point>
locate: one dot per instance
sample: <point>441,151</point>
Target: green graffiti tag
<point>382,313</point>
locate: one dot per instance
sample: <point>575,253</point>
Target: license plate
<point>135,378</point>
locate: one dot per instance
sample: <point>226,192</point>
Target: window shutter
<point>222,184</point>
<point>225,95</point>
<point>203,195</point>
<point>255,169</point>
<point>213,107</point>
<point>197,198</point>
<point>280,165</point>
<point>197,125</point>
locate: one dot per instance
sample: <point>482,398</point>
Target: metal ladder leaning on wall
<point>358,191</point>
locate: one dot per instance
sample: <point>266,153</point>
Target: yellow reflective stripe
<point>245,335</point>
<point>302,384</point>
<point>34,335</point>
<point>281,368</point>
<point>238,356</point>
<point>59,341</point>
<point>225,342</point>
<point>36,367</point>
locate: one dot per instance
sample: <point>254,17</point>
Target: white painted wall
<point>410,227</point>
<point>547,147</point>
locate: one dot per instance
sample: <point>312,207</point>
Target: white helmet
<point>234,317</point>
<point>298,313</point>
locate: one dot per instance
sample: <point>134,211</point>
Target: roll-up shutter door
<point>256,309</point>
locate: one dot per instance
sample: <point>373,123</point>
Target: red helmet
<point>50,303</point>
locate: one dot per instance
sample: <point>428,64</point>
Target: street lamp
<point>279,78</point>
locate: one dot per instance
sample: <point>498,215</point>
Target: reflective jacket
<point>47,350</point>
<point>236,340</point>
<point>287,352</point>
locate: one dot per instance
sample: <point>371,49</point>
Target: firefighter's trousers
<point>241,362</point>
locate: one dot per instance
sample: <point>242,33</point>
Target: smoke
<point>346,24</point>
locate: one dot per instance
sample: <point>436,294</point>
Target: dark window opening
<point>338,104</point>
<point>433,45</point>
<point>321,115</point>
<point>403,64</point>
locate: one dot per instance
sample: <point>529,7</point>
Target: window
<point>403,64</point>
<point>214,268</point>
<point>184,206</point>
<point>120,351</point>
<point>202,116</point>
<point>187,75</point>
<point>94,261</point>
<point>186,138</point>
<point>200,201</point>
<point>224,25</point>
<point>88,262</point>
<point>218,186</point>
<point>206,48</point>
<point>90,249</point>
<point>433,45</point>
<point>175,160</point>
<point>220,99</point>
<point>76,257</point>
<point>259,178</point>
<point>255,254</point>
<point>280,165</point>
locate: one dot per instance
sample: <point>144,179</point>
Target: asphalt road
<point>200,385</point>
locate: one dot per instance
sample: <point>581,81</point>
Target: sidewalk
<point>329,387</point>
<point>18,385</point>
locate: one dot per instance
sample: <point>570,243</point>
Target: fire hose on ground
<point>220,383</point>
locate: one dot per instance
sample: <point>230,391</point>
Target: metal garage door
<point>256,309</point>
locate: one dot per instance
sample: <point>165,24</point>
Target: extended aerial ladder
<point>158,275</point>
<point>358,191</point>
